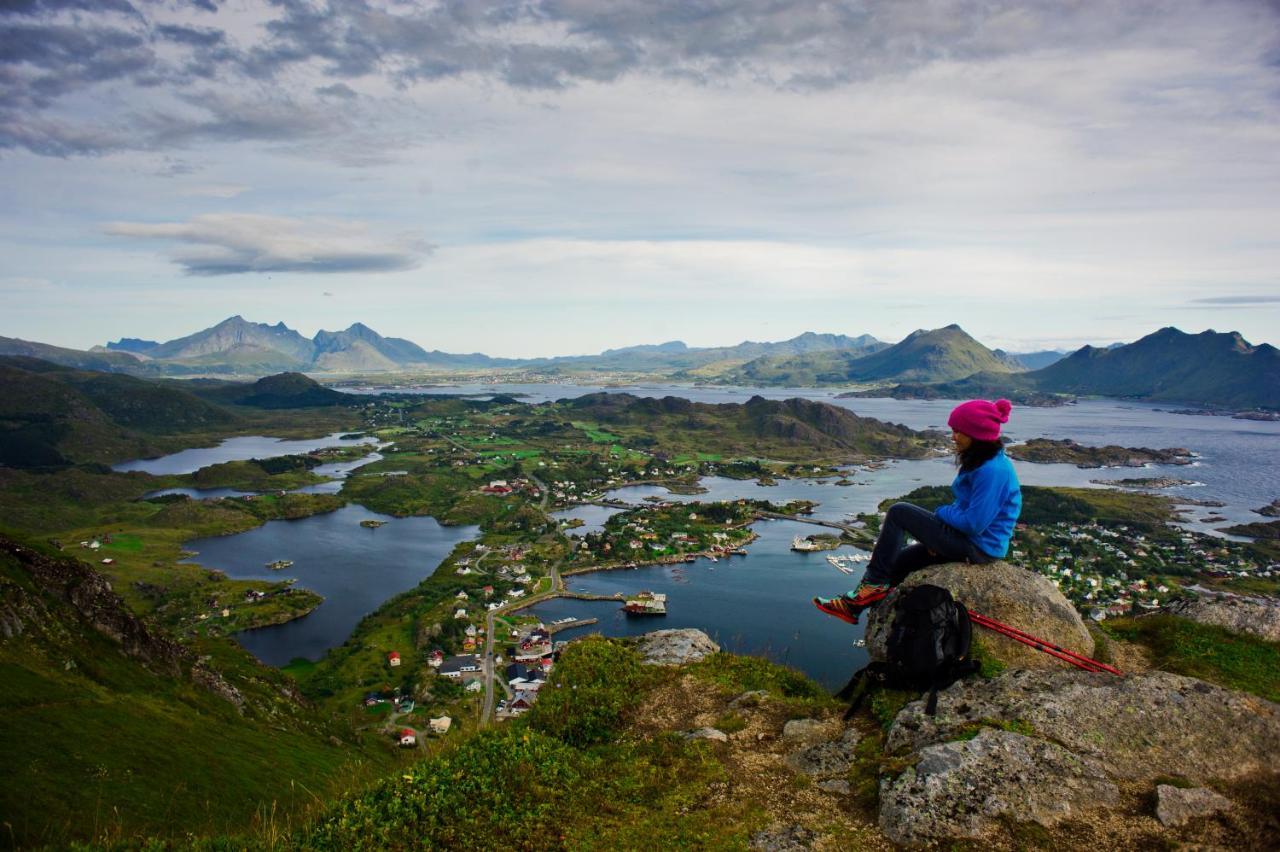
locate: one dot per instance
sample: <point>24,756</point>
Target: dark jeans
<point>892,560</point>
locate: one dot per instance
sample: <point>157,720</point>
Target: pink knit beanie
<point>980,419</point>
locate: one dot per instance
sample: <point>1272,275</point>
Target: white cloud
<point>227,244</point>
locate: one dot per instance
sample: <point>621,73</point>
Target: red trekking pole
<point>1077,660</point>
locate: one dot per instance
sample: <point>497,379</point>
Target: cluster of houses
<point>531,654</point>
<point>1103,570</point>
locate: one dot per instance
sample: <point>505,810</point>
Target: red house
<point>393,659</point>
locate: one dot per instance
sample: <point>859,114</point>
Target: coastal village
<point>428,666</point>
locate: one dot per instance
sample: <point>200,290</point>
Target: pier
<point>556,627</point>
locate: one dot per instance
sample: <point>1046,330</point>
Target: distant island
<point>1066,451</point>
<point>1144,482</point>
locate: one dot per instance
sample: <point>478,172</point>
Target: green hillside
<point>284,390</point>
<point>923,356</point>
<point>52,416</point>
<point>780,429</point>
<point>112,731</point>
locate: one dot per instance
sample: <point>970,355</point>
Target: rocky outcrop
<point>1234,613</point>
<point>90,596</point>
<point>1041,747</point>
<point>1138,728</point>
<point>960,789</point>
<point>675,647</point>
<point>1004,592</point>
<point>1176,806</point>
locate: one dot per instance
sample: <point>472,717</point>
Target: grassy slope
<point>98,746</point>
<point>572,774</point>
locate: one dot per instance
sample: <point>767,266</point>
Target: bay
<point>356,570</point>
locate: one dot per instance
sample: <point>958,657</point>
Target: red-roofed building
<point>408,738</point>
<point>393,659</point>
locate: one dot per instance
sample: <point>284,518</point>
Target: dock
<point>555,627</point>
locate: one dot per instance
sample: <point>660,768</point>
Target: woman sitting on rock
<point>976,527</point>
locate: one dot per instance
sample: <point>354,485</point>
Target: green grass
<point>597,435</point>
<point>737,674</point>
<point>124,543</point>
<point>1203,651</point>
<point>730,723</point>
<point>568,776</point>
<point>99,748</point>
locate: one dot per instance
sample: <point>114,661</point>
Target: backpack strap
<point>931,706</point>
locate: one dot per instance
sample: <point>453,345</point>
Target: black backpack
<point>927,647</point>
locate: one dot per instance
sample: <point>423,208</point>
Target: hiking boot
<point>841,607</point>
<point>867,594</point>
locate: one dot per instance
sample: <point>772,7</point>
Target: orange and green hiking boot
<point>849,607</point>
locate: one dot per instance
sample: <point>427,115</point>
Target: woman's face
<point>961,440</point>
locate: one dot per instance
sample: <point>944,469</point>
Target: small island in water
<point>1067,451</point>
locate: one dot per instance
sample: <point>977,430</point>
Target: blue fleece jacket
<point>988,502</point>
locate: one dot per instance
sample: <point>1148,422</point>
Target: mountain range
<point>1217,369</point>
<point>1210,368</point>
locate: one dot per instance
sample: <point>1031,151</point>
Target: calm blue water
<point>593,517</point>
<point>755,604</point>
<point>233,449</point>
<point>356,569</point>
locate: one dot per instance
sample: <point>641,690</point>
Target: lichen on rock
<point>1139,727</point>
<point>675,647</point>
<point>1231,612</point>
<point>1007,593</point>
<point>960,789</point>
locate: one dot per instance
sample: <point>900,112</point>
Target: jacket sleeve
<point>985,500</point>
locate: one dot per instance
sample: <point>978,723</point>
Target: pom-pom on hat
<point>980,418</point>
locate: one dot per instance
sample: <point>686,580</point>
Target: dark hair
<point>978,454</point>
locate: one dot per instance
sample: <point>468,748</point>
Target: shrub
<point>595,683</point>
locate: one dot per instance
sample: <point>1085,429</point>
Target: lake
<point>234,449</point>
<point>354,568</point>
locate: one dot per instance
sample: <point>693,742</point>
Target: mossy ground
<point>1204,651</point>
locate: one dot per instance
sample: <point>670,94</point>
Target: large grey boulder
<point>1005,592</point>
<point>1241,615</point>
<point>962,789</point>
<point>1138,727</point>
<point>675,647</point>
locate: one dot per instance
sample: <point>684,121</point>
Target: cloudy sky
<point>560,176</point>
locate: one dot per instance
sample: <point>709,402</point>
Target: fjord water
<point>233,449</point>
<point>356,570</point>
<point>757,604</point>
